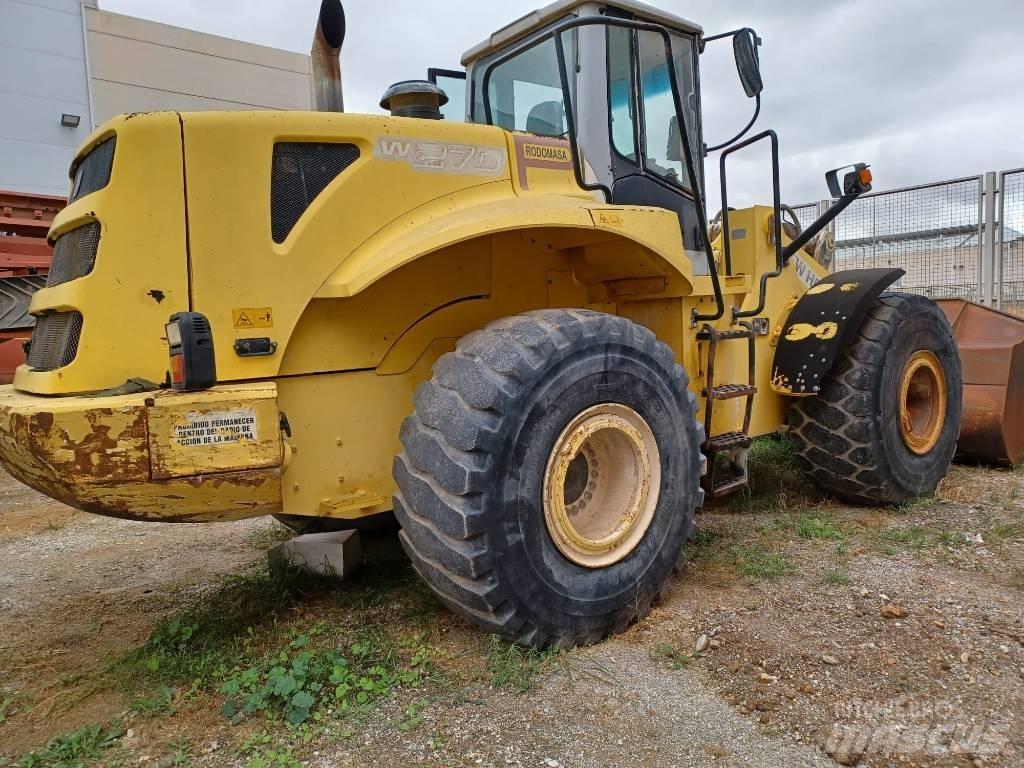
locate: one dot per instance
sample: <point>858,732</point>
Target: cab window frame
<point>686,78</point>
<point>436,73</point>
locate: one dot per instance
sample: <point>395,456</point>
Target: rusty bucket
<point>992,351</point>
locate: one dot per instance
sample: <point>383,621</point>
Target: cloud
<point>923,90</point>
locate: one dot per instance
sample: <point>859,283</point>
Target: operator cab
<point>617,104</point>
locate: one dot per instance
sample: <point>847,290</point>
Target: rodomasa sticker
<point>442,157</point>
<point>541,152</point>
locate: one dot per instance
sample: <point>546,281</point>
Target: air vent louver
<point>93,172</point>
<point>54,340</point>
<point>300,172</point>
<point>74,254</point>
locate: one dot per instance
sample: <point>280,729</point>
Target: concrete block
<point>336,554</point>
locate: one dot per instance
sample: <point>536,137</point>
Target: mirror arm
<point>757,111</point>
<point>723,35</point>
<point>819,224</point>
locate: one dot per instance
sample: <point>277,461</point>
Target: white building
<point>67,66</point>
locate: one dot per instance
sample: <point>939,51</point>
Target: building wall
<point>129,65</point>
<point>139,65</point>
<point>42,76</point>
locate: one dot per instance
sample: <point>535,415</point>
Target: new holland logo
<point>442,157</point>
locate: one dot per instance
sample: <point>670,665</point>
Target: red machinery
<point>24,262</point>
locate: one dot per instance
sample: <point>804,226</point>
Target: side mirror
<point>744,48</point>
<point>856,182</point>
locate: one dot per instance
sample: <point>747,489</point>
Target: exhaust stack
<point>325,58</point>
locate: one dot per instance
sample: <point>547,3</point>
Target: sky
<point>921,90</point>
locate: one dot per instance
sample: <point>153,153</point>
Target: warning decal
<point>216,428</point>
<point>253,317</point>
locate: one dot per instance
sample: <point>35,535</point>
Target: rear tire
<point>884,427</point>
<point>478,478</point>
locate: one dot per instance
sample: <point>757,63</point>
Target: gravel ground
<point>880,638</point>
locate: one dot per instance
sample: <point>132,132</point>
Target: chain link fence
<point>1011,240</point>
<point>962,238</point>
<point>806,213</point>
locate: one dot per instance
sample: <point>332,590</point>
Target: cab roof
<point>536,19</point>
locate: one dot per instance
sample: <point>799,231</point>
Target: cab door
<point>647,164</point>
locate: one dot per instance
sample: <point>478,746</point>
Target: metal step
<point>727,440</point>
<point>728,485</point>
<point>735,333</point>
<point>729,391</point>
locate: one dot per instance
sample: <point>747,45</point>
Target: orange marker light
<point>864,174</point>
<point>177,369</point>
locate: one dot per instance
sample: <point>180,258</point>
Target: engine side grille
<point>93,172</point>
<point>54,340</point>
<point>300,172</point>
<point>74,254</point>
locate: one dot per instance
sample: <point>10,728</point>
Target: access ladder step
<point>729,391</point>
<point>727,440</point>
<point>736,333</point>
<point>728,485</point>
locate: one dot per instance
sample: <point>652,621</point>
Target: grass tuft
<point>205,636</point>
<point>897,539</point>
<point>777,483</point>
<point>73,750</point>
<point>835,577</point>
<point>808,527</point>
<point>676,658</point>
<point>513,667</point>
<point>755,563</point>
<point>298,680</point>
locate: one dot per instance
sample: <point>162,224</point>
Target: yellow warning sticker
<point>609,219</point>
<point>253,317</point>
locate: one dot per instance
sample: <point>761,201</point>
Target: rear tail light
<point>190,342</point>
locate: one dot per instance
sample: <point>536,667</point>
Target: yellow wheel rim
<point>601,485</point>
<point>922,405</point>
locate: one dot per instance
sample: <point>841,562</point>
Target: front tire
<point>550,475</point>
<point>884,427</point>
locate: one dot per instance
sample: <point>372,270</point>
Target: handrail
<point>777,203</point>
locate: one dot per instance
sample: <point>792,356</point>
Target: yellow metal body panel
<point>388,267</point>
<point>346,436</point>
<point>140,276</point>
<point>119,455</point>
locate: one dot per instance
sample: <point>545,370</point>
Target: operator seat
<point>547,119</point>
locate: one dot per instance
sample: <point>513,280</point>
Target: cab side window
<point>453,83</point>
<point>655,121</point>
<point>525,92</point>
<point>621,93</point>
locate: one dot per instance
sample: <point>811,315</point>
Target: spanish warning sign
<point>216,428</point>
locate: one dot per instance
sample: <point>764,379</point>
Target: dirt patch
<point>76,590</point>
<point>801,632</point>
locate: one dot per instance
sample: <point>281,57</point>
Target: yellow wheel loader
<point>510,330</point>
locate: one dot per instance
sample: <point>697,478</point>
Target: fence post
<point>987,235</point>
<point>823,206</point>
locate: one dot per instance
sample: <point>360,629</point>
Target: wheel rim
<point>601,485</point>
<point>923,396</point>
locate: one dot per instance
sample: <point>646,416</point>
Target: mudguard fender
<point>822,324</point>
